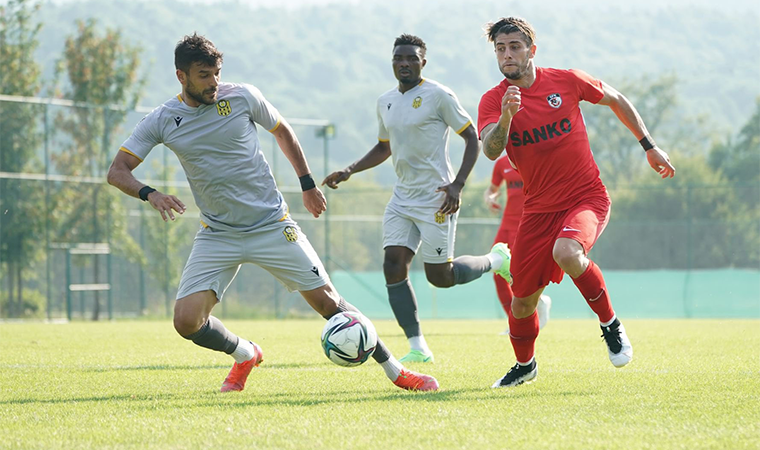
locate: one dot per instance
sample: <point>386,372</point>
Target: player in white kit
<point>414,121</point>
<point>212,128</point>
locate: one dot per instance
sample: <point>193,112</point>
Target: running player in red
<point>503,172</point>
<point>534,113</point>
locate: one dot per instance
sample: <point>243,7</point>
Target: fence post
<point>689,254</point>
<point>48,295</point>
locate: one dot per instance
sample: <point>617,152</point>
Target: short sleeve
<point>382,132</point>
<point>262,112</point>
<point>144,137</point>
<point>452,112</point>
<point>589,88</point>
<point>489,110</point>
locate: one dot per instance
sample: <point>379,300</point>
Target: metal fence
<point>94,252</point>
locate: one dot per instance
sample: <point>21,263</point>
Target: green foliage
<point>102,76</point>
<point>139,385</point>
<point>739,158</point>
<point>22,203</point>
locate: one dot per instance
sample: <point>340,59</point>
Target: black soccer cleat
<point>518,375</point>
<point>618,346</point>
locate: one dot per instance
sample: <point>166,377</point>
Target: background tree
<point>102,75</point>
<point>21,202</point>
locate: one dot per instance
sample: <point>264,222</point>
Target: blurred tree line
<point>707,216</point>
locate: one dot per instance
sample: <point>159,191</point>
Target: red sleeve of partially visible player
<point>498,171</point>
<point>489,110</point>
<point>589,88</point>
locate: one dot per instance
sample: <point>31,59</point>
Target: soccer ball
<point>349,338</point>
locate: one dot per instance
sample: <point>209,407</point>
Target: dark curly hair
<point>196,49</point>
<point>508,25</point>
<point>410,39</point>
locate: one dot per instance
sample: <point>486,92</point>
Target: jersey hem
<point>125,150</point>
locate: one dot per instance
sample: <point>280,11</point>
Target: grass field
<point>692,384</point>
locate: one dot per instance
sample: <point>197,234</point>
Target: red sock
<point>523,333</point>
<point>592,287</point>
<point>504,291</point>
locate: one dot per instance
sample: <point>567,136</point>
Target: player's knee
<point>440,280</point>
<point>187,324</point>
<point>566,258</point>
<point>394,271</point>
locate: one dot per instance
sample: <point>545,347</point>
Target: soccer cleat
<point>502,250</point>
<point>618,345</point>
<point>235,380</point>
<point>518,375</point>
<point>543,307</point>
<point>413,381</point>
<point>417,356</point>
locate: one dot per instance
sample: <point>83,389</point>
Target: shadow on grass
<point>155,367</point>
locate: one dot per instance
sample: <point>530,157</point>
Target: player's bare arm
<point>120,175</point>
<point>495,139</point>
<point>626,112</point>
<point>377,155</point>
<point>454,190</point>
<point>313,198</point>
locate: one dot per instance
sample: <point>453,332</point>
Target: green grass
<point>692,384</point>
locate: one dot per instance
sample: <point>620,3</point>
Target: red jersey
<point>547,139</point>
<point>503,171</point>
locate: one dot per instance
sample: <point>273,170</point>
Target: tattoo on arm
<point>495,142</point>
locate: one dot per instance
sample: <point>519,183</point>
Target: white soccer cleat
<point>543,308</point>
<point>618,345</point>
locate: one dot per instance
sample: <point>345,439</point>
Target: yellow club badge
<point>439,217</point>
<point>290,233</point>
<point>417,102</point>
<point>223,107</point>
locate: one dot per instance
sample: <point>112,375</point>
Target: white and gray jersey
<point>218,146</point>
<point>417,125</point>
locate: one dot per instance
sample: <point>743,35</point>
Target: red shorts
<point>533,266</point>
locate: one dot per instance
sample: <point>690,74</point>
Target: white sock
<point>496,260</point>
<point>418,343</point>
<point>606,324</point>
<point>244,351</point>
<point>392,368</point>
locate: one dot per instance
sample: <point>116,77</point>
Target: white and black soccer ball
<point>349,338</point>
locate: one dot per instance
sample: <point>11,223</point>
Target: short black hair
<point>507,25</point>
<point>196,49</point>
<point>410,39</point>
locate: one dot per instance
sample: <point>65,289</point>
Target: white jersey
<point>417,125</point>
<point>218,146</point>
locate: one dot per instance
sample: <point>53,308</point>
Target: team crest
<point>223,108</point>
<point>555,101</point>
<point>417,102</point>
<point>440,217</point>
<point>290,234</point>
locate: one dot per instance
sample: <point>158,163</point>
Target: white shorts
<point>408,226</point>
<point>281,248</point>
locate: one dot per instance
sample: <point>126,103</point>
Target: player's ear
<point>532,50</point>
<point>424,61</point>
<point>181,76</point>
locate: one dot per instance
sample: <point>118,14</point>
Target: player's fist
<point>510,103</point>
<point>660,162</point>
<point>314,201</point>
<point>336,177</point>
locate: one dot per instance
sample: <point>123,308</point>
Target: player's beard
<point>518,72</point>
<point>200,96</point>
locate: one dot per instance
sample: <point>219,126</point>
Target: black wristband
<point>144,192</point>
<point>307,182</point>
<point>647,142</point>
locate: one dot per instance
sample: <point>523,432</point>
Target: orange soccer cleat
<point>413,381</point>
<point>235,380</point>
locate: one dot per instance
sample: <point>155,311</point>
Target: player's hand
<point>490,199</point>
<point>314,201</point>
<point>660,162</point>
<point>453,198</point>
<point>336,177</point>
<point>165,204</point>
<point>510,103</point>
